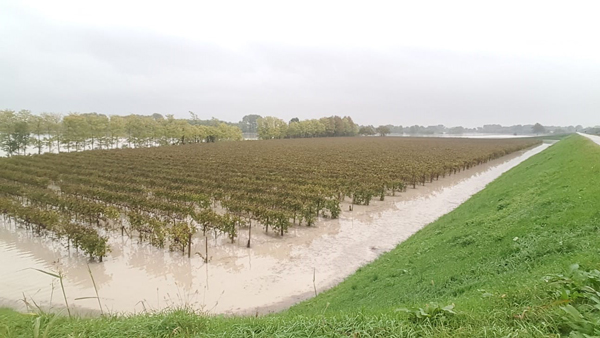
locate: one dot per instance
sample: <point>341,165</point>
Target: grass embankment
<point>488,257</point>
<point>556,137</point>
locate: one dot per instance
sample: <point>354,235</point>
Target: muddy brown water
<point>272,275</point>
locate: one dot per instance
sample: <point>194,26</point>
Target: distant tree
<point>492,129</point>
<point>81,131</point>
<point>22,134</point>
<point>329,125</point>
<point>414,129</point>
<point>338,123</point>
<point>294,130</point>
<point>350,128</point>
<point>116,130</point>
<point>97,127</point>
<point>270,127</point>
<point>229,133</point>
<point>177,131</point>
<point>7,124</point>
<point>538,129</point>
<point>338,126</point>
<point>397,130</point>
<point>52,123</point>
<point>367,130</point>
<point>309,128</point>
<point>315,128</point>
<point>431,130</point>
<point>383,130</point>
<point>456,130</point>
<point>75,131</point>
<point>249,123</point>
<point>37,130</point>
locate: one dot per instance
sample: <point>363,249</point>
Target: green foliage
<point>334,208</point>
<point>577,285</point>
<point>580,290</point>
<point>583,325</point>
<point>249,123</point>
<point>367,130</point>
<point>270,127</point>
<point>14,131</point>
<point>431,312</point>
<point>383,130</point>
<point>181,236</point>
<point>75,132</point>
<point>228,224</point>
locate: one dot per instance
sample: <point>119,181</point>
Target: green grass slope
<point>488,258</point>
<point>538,218</point>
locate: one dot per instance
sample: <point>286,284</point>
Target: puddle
<point>272,275</point>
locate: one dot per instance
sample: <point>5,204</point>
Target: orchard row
<point>165,195</point>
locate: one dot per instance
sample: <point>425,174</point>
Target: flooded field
<point>272,275</point>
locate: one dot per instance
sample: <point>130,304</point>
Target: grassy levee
<point>488,258</point>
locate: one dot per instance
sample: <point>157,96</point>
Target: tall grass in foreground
<point>59,276</point>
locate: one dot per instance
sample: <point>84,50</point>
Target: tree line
<point>22,131</point>
<point>528,129</point>
<point>270,127</point>
<point>53,132</point>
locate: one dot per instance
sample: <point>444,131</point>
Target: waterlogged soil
<point>273,274</point>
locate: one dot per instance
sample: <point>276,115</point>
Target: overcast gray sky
<point>418,62</point>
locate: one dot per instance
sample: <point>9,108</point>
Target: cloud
<point>53,66</point>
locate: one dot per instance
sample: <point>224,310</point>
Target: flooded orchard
<point>273,274</point>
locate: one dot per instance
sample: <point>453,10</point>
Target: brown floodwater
<point>272,275</point>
